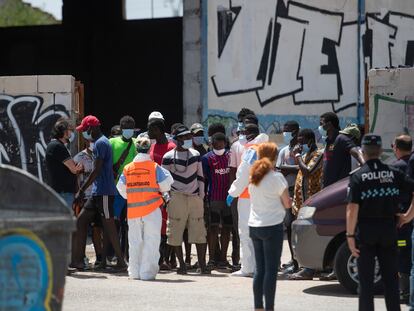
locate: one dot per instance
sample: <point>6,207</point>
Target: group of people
<point>141,196</point>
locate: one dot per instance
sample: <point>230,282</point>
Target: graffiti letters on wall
<point>279,48</point>
<point>25,131</point>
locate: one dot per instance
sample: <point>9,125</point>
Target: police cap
<point>371,140</point>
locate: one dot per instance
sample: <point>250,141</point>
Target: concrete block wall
<point>31,106</point>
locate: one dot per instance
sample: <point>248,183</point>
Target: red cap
<point>87,122</point>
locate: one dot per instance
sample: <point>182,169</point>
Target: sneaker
<point>165,267</point>
<point>290,270</point>
<point>240,273</point>
<point>182,270</point>
<point>204,271</point>
<point>330,277</point>
<point>302,275</point>
<point>223,264</point>
<point>235,268</point>
<point>211,264</point>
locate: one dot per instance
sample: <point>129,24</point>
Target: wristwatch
<point>348,235</point>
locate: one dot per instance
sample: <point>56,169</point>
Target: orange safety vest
<point>143,193</point>
<point>245,194</point>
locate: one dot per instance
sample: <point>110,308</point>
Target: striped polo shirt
<point>186,169</point>
<point>216,172</point>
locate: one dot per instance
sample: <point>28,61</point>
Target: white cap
<point>155,115</point>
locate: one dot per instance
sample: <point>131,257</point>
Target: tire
<point>347,272</point>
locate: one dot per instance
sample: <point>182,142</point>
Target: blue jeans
<point>267,243</point>
<point>68,198</point>
<point>412,275</point>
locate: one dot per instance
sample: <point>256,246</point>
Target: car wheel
<point>346,270</point>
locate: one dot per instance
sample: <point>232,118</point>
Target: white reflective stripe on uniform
<point>134,190</point>
<point>105,206</point>
<point>143,203</point>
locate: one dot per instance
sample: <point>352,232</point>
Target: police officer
<point>402,147</point>
<point>373,197</point>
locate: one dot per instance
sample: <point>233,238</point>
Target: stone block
<point>64,99</point>
<point>20,85</point>
<point>56,84</point>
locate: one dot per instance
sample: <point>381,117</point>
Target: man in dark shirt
<point>402,146</point>
<point>373,197</point>
<point>338,151</point>
<point>61,168</point>
<point>103,193</point>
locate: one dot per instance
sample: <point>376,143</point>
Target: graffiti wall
<point>391,105</point>
<point>29,107</point>
<point>298,59</point>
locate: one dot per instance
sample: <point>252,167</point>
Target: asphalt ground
<point>105,291</point>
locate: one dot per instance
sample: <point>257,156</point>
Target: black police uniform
<point>404,233</point>
<point>376,187</point>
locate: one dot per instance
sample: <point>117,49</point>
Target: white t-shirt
<point>266,205</point>
<point>285,158</point>
<point>236,152</point>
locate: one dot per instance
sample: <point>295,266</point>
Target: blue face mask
<point>198,140</point>
<point>305,148</point>
<point>240,126</point>
<point>187,144</point>
<point>322,131</point>
<point>242,140</point>
<point>128,133</point>
<point>87,136</point>
<point>287,137</point>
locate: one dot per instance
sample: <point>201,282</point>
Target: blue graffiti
<point>24,274</point>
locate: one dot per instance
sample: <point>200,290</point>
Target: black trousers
<point>378,241</point>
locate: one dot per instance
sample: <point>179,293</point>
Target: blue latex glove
<point>229,199</point>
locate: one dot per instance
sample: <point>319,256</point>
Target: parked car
<point>319,236</point>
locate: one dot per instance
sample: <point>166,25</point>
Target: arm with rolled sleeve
<point>242,176</point>
<point>164,179</point>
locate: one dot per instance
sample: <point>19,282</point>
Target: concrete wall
<point>192,87</point>
<point>29,107</point>
<point>391,105</point>
<point>298,59</point>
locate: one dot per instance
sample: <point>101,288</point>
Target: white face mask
<point>153,141</point>
<point>91,144</point>
<point>219,152</point>
<point>242,140</point>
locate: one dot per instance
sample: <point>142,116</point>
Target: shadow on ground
<point>87,276</point>
<point>331,290</point>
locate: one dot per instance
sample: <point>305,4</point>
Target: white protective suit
<point>144,233</point>
<point>243,205</point>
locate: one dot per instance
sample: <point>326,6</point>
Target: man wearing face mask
<point>103,193</point>
<point>338,150</point>
<point>61,168</point>
<point>308,181</point>
<point>160,145</point>
<point>286,164</point>
<point>216,172</point>
<point>123,153</point>
<point>198,138</point>
<point>186,207</point>
<point>239,189</point>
